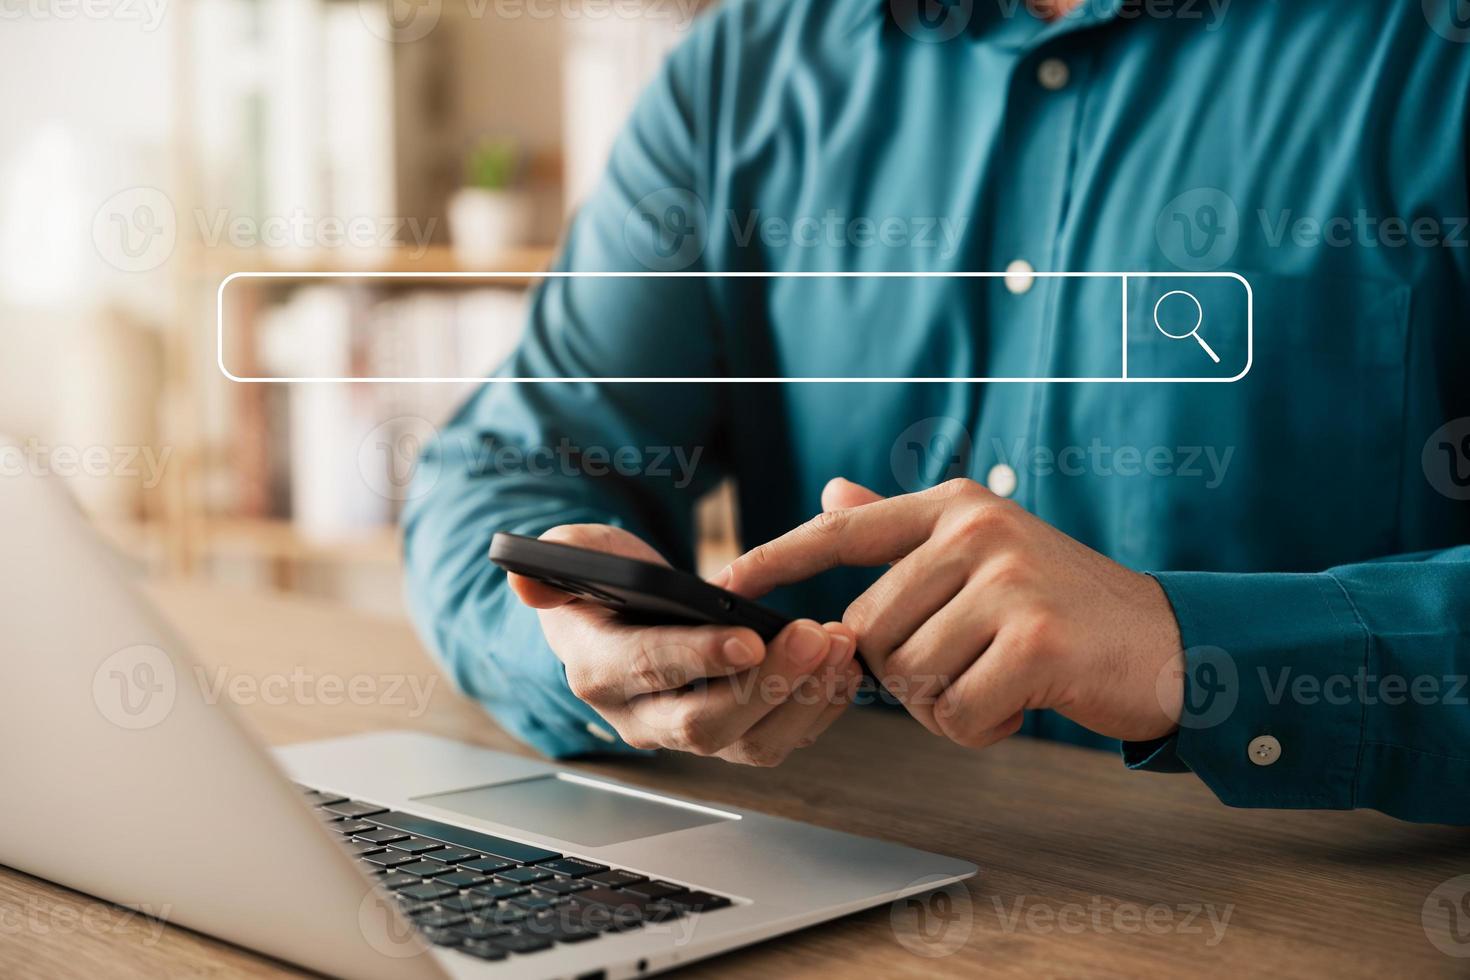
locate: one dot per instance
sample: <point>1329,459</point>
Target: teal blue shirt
<point>1310,523</point>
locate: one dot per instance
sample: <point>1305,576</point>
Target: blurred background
<point>152,148</point>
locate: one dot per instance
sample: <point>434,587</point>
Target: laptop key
<point>363,848</point>
<point>380,835</point>
<point>439,919</point>
<point>523,876</point>
<point>504,915</point>
<point>654,889</point>
<point>415,845</point>
<point>318,798</point>
<point>487,865</point>
<point>424,869</point>
<point>484,950</point>
<point>353,827</point>
<point>427,891</point>
<point>465,903</point>
<point>616,878</point>
<point>472,839</point>
<point>389,859</point>
<point>454,855</point>
<point>499,891</point>
<point>532,903</point>
<point>443,937</point>
<point>393,881</point>
<point>572,867</point>
<point>561,886</point>
<point>354,809</point>
<point>698,901</point>
<point>462,879</point>
<point>522,943</point>
<point>661,911</point>
<point>480,929</point>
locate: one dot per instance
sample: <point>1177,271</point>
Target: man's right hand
<point>710,690</point>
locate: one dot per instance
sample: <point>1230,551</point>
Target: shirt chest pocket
<point>1308,447</point>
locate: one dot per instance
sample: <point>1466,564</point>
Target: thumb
<point>840,494</point>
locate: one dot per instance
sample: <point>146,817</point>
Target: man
<point>1266,582</point>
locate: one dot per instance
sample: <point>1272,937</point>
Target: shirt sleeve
<point>523,457</point>
<point>1335,690</point>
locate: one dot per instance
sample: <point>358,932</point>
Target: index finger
<point>873,534</point>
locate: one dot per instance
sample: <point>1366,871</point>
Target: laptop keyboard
<point>493,898</point>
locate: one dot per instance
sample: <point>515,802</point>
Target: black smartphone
<point>640,590</point>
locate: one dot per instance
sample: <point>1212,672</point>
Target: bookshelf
<point>264,128</point>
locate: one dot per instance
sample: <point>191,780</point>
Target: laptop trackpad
<point>577,810</point>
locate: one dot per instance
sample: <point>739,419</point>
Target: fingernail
<point>740,654</point>
<point>841,649</point>
<point>722,579</point>
<point>808,644</point>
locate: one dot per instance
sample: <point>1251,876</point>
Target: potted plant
<point>490,213</point>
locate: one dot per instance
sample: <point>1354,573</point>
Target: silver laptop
<point>384,855</point>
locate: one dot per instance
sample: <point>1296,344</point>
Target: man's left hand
<point>987,611</point>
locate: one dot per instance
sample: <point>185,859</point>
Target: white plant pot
<point>483,224</point>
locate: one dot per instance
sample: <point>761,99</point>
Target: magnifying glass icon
<point>1199,321</point>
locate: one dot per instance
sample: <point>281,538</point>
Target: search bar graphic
<point>1101,327</point>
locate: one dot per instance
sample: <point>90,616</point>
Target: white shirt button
<point>1264,750</point>
<point>1020,277</point>
<point>1053,74</point>
<point>1001,480</point>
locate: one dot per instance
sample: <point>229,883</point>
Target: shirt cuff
<point>1261,654</point>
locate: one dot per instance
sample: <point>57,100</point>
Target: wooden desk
<point>1089,869</point>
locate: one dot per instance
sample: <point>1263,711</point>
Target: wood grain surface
<point>1089,870</point>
